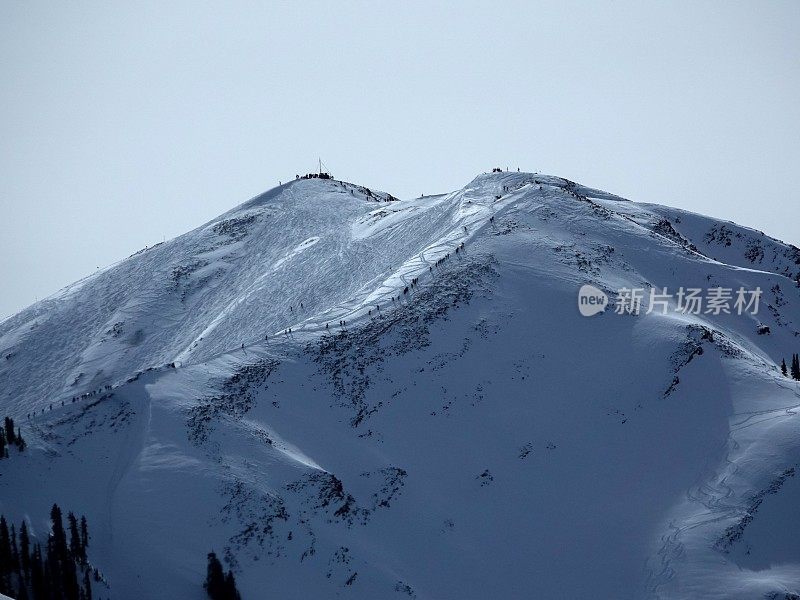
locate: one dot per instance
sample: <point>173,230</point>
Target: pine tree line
<point>794,370</point>
<point>218,585</point>
<point>60,571</point>
<point>9,437</point>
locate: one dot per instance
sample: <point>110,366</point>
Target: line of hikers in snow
<point>414,282</point>
<point>74,399</point>
<point>441,261</point>
<point>314,176</point>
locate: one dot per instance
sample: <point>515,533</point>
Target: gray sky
<point>123,123</point>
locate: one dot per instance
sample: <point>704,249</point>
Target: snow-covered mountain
<point>441,422</point>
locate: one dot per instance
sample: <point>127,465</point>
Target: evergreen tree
<point>231,593</point>
<point>15,566</point>
<point>784,372</point>
<point>69,579</point>
<point>2,444</point>
<point>87,585</point>
<point>10,437</point>
<point>5,557</point>
<point>58,535</point>
<point>215,578</point>
<point>84,536</point>
<point>74,538</point>
<point>38,585</point>
<point>63,577</point>
<point>52,569</point>
<point>25,550</point>
<point>20,442</point>
<point>50,585</point>
<point>795,371</point>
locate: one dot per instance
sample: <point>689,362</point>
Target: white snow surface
<point>474,437</point>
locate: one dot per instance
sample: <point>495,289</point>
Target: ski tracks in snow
<point>717,497</point>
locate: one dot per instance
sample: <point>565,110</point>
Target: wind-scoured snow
<point>469,435</point>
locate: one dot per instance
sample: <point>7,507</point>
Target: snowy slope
<point>473,437</point>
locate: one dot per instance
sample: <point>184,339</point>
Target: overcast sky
<point>124,123</point>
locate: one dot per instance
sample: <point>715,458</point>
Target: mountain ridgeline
<point>330,392</point>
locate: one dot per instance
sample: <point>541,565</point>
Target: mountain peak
<point>345,389</point>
